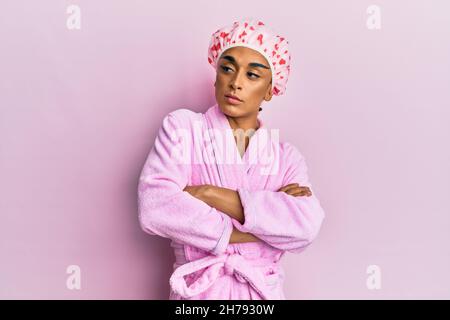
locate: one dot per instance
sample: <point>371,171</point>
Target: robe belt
<point>215,266</point>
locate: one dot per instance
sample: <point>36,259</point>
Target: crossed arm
<point>228,201</point>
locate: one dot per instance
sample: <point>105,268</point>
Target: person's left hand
<point>294,189</point>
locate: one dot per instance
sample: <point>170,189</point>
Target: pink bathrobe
<point>199,148</point>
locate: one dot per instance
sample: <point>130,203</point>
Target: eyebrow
<point>251,64</point>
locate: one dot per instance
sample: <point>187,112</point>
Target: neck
<point>243,123</point>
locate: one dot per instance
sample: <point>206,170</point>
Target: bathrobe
<point>200,148</point>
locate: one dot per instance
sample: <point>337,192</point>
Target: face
<point>246,74</point>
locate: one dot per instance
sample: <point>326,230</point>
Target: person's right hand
<point>295,190</point>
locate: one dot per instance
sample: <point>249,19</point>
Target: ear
<point>269,92</point>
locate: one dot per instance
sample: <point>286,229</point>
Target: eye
<point>251,73</point>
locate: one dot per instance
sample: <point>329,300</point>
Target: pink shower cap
<point>254,34</point>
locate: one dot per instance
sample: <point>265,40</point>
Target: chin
<point>231,110</point>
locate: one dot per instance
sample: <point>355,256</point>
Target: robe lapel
<point>233,170</point>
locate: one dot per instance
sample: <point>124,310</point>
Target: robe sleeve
<point>283,221</point>
<point>168,211</point>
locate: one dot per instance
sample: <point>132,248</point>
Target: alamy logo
<point>374,20</point>
<point>373,282</point>
<point>73,282</point>
<point>214,146</point>
<point>74,20</point>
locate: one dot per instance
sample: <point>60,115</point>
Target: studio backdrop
<point>84,86</point>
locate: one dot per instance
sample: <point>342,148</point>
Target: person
<point>232,198</point>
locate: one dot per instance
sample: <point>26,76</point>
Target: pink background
<point>79,111</point>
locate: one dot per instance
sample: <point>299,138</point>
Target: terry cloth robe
<point>199,148</point>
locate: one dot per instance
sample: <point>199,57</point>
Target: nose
<point>236,81</point>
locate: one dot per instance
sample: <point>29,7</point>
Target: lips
<point>233,97</point>
<point>232,101</point>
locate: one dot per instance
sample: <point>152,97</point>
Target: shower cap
<point>254,34</point>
